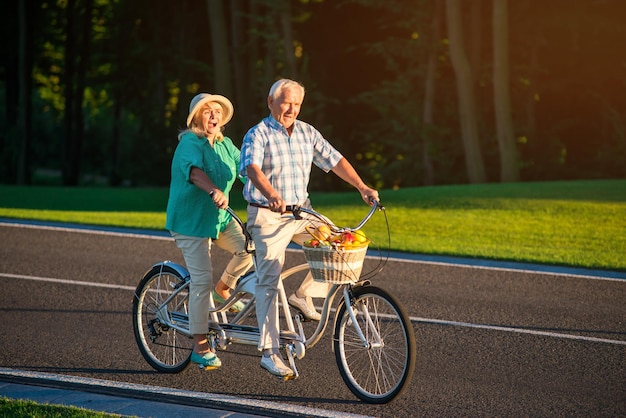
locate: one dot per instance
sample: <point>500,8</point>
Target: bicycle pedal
<point>301,316</point>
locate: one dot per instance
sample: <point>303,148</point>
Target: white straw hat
<point>203,98</point>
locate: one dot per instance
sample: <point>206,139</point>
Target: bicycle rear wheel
<point>164,348</point>
<point>381,369</point>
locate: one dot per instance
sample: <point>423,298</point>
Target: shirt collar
<point>273,123</point>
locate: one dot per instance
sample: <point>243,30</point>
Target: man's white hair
<point>285,83</point>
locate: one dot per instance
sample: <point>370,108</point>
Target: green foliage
<point>395,138</point>
<point>363,63</point>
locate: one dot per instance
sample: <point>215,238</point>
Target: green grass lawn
<point>577,223</point>
<point>21,408</point>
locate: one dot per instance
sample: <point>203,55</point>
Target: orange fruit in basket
<point>356,245</point>
<point>359,236</point>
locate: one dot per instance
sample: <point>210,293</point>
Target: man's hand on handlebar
<point>369,195</point>
<point>277,204</point>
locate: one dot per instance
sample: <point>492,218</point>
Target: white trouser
<point>197,254</point>
<point>272,232</point>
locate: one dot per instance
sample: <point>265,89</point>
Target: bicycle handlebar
<point>297,210</point>
<point>375,205</point>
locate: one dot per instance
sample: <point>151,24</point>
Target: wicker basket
<point>335,265</point>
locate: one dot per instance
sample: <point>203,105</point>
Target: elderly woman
<point>204,168</point>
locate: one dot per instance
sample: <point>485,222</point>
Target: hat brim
<point>227,107</point>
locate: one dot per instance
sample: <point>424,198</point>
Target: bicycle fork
<point>374,340</point>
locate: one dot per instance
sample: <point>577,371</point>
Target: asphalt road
<point>490,342</point>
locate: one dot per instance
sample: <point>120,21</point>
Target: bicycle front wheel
<point>380,368</point>
<point>165,348</point>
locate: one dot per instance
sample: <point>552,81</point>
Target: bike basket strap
<point>335,265</point>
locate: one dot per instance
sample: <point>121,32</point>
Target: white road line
<point>518,330</point>
<point>63,281</point>
<point>515,270</point>
<point>413,319</point>
<point>85,230</point>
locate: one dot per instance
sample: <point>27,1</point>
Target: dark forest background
<point>420,92</point>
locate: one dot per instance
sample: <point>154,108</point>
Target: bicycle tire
<point>165,349</point>
<point>377,373</point>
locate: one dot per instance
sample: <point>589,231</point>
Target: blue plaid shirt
<point>285,161</point>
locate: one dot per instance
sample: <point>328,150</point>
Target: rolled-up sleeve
<point>325,156</point>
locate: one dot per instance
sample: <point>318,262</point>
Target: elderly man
<point>277,155</point>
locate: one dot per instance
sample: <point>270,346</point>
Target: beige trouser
<point>272,233</point>
<point>197,254</point>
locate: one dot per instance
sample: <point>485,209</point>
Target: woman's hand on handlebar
<point>219,199</point>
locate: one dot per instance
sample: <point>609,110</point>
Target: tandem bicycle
<point>373,339</point>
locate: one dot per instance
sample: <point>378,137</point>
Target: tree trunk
<point>221,53</point>
<point>81,71</point>
<point>476,37</point>
<point>429,97</point>
<point>114,174</point>
<point>467,108</point>
<point>509,164</point>
<point>257,85</point>
<point>25,64</point>
<point>69,178</point>
<point>269,47</point>
<point>530,98</point>
<point>287,37</point>
<point>242,61</point>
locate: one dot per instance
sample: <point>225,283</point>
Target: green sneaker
<point>208,361</point>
